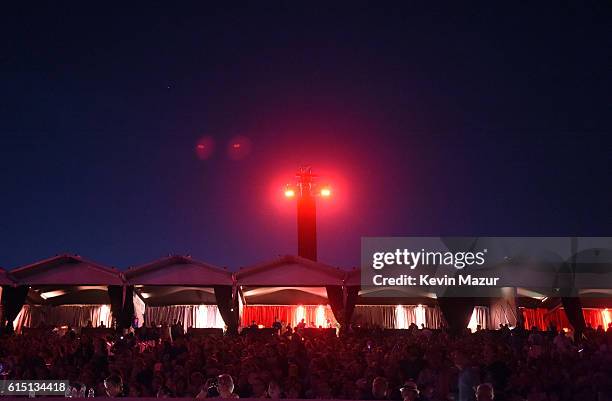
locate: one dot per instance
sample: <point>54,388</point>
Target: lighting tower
<point>307,190</point>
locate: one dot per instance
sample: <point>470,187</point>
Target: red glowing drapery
<point>542,318</point>
<point>290,314</point>
<point>535,317</point>
<point>594,318</point>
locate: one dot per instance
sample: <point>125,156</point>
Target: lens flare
<point>325,192</point>
<point>238,147</point>
<point>205,147</point>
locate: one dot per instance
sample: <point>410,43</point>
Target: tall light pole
<point>307,190</point>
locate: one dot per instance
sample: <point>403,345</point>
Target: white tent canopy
<point>290,271</point>
<point>179,288</point>
<point>288,280</point>
<point>178,271</point>
<point>177,280</point>
<point>66,270</point>
<point>65,289</point>
<point>67,279</point>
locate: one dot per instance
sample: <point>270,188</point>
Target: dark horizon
<point>491,121</point>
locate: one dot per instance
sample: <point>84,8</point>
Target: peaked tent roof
<point>66,270</point>
<point>4,278</point>
<point>180,271</point>
<point>290,271</point>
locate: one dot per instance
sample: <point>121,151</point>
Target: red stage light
<point>289,193</point>
<point>325,192</point>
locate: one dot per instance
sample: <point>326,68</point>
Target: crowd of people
<point>417,364</point>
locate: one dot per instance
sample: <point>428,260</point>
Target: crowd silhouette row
<point>368,364</point>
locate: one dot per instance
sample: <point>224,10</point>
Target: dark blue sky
<point>488,121</point>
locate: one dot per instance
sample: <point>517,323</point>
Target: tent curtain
<point>198,316</point>
<point>128,308</point>
<point>13,299</point>
<point>480,317</point>
<point>122,305</point>
<point>139,309</point>
<point>385,316</point>
<point>115,293</point>
<point>228,307</point>
<point>376,315</point>
<point>503,311</point>
<point>352,293</point>
<point>535,318</point>
<point>573,311</point>
<point>412,314</point>
<point>336,302</point>
<point>433,317</point>
<point>313,315</point>
<point>596,318</point>
<point>240,307</point>
<point>457,312</point>
<point>265,315</point>
<point>542,318</point>
<point>558,318</point>
<point>168,315</point>
<point>398,317</point>
<point>75,316</point>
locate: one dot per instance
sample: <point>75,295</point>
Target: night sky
<point>447,121</point>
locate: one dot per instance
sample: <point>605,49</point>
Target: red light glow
<point>239,147</point>
<point>325,192</point>
<point>289,193</point>
<point>204,147</point>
